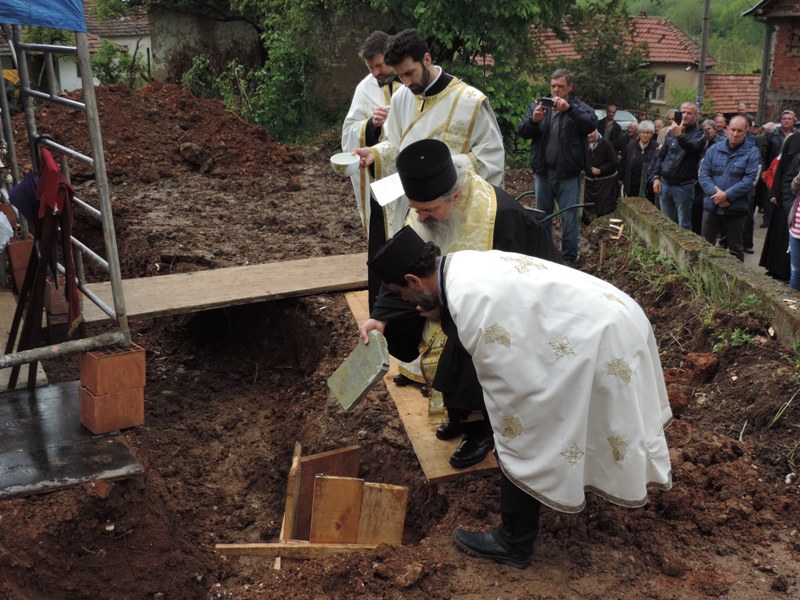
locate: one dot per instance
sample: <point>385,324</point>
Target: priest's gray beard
<point>443,233</point>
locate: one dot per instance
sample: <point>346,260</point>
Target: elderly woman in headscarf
<point>636,162</point>
<point>601,187</point>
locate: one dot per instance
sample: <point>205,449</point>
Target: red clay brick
<point>109,412</point>
<point>19,251</point>
<point>113,370</point>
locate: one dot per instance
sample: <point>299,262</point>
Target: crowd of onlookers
<point>713,176</point>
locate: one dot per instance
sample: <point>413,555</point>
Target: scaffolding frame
<point>110,264</point>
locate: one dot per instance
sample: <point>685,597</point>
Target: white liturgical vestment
<point>367,97</point>
<point>571,377</point>
<point>460,116</point>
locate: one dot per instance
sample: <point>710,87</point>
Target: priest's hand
<point>369,325</point>
<point>366,157</point>
<point>380,115</point>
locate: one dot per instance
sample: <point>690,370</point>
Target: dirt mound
<point>163,131</point>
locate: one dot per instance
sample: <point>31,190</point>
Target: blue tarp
<point>56,14</point>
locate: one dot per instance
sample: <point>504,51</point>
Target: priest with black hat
<point>457,210</point>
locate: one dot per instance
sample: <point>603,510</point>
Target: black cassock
<point>515,230</point>
<point>774,257</point>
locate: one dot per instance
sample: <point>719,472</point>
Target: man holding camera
<point>675,166</point>
<point>557,127</point>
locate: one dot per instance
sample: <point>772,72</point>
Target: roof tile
<point>666,41</point>
<point>728,90</point>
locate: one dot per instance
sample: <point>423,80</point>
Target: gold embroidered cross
<point>573,455</point>
<point>619,447</point>
<point>562,347</point>
<point>512,427</point>
<point>496,334</point>
<point>620,368</point>
<point>523,264</point>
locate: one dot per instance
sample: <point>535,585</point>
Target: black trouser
<point>376,232</point>
<point>520,516</point>
<point>476,428</point>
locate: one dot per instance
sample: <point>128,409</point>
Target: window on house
<point>657,94</point>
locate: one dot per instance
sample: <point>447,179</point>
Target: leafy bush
<point>113,64</point>
<point>200,78</point>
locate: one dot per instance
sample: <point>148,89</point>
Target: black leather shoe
<point>485,545</point>
<point>425,391</point>
<point>448,431</point>
<point>472,450</point>
<point>401,380</point>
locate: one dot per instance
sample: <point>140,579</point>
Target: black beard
<point>427,302</point>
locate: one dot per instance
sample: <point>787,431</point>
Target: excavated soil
<point>229,392</point>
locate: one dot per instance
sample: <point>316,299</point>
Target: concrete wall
<point>177,38</point>
<point>723,277</point>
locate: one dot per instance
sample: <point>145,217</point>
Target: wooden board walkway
<point>433,454</point>
<point>178,293</point>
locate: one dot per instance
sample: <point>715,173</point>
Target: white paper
<point>388,189</point>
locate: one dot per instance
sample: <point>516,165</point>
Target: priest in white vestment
<point>363,126</point>
<point>433,105</point>
<point>571,377</point>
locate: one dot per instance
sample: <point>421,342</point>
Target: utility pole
<point>701,76</point>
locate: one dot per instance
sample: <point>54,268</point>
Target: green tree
<point>610,68</point>
<point>488,44</point>
<point>112,64</point>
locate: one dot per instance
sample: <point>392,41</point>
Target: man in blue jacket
<point>728,175</point>
<point>557,128</point>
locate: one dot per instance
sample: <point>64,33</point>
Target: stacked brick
<point>112,388</point>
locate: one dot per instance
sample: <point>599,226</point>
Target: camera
<point>546,101</point>
<point>678,117</point>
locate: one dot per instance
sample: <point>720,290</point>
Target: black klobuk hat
<point>426,170</point>
<point>391,260</point>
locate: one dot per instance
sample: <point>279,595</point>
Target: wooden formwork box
<point>330,510</point>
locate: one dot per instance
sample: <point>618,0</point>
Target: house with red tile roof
<point>673,58</point>
<point>780,73</point>
<point>132,33</point>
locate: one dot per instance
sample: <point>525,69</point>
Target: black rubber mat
<point>43,445</point>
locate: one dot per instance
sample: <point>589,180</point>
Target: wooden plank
<point>343,462</point>
<point>291,549</point>
<point>336,511</point>
<point>433,454</point>
<point>8,305</point>
<point>177,293</point>
<point>292,494</point>
<point>383,514</point>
